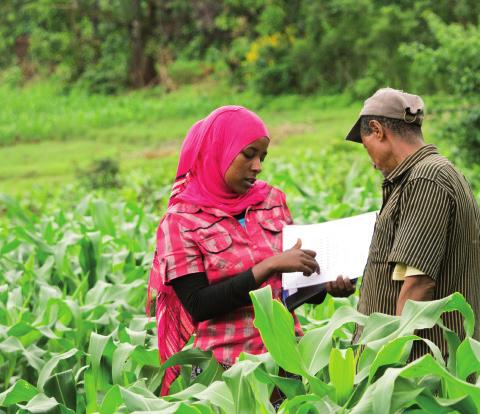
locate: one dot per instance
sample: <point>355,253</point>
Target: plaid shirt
<point>199,239</point>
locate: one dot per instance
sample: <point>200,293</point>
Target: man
<point>426,243</point>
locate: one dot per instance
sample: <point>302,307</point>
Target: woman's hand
<point>291,260</point>
<point>296,259</point>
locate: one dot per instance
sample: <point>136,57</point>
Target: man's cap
<point>390,103</point>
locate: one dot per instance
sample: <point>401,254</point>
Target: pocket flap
<point>274,225</point>
<point>217,243</point>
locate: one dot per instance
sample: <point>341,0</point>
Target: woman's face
<point>243,170</point>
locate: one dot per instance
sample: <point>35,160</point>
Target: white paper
<point>341,246</point>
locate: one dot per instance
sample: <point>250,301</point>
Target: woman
<point>219,239</point>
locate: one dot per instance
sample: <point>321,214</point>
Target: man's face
<point>380,151</point>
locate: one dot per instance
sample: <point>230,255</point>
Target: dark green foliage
<point>275,46</point>
<point>452,65</point>
<point>102,173</point>
<point>184,72</point>
<point>463,130</point>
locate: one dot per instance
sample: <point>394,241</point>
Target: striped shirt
<point>429,220</point>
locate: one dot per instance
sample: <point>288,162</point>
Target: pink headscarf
<point>187,156</point>
<point>207,151</point>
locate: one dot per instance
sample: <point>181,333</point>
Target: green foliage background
<point>274,46</point>
<point>96,96</point>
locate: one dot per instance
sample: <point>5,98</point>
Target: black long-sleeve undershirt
<point>205,301</point>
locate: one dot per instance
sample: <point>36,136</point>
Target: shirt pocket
<point>215,250</point>
<point>383,237</point>
<point>272,228</point>
<point>274,225</point>
<point>216,243</point>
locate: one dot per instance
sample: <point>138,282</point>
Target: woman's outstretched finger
<point>311,253</point>
<point>311,264</point>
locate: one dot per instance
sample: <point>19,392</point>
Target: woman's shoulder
<point>275,197</point>
<point>181,215</point>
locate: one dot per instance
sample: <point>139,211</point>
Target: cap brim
<point>354,134</point>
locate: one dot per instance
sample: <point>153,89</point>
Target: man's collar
<point>410,161</point>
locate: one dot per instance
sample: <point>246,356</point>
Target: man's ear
<point>377,129</point>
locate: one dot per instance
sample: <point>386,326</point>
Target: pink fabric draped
<point>213,146</point>
<point>187,155</point>
<point>207,151</point>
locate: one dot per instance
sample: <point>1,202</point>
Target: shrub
<point>463,130</point>
<point>453,66</point>
<point>184,72</point>
<point>101,173</point>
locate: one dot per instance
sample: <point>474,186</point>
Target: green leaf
<point>394,352</point>
<point>96,348</point>
<point>20,329</point>
<point>243,396</point>
<point>306,404</point>
<point>40,404</point>
<point>213,372</point>
<point>61,386</point>
<point>291,387</point>
<point>416,315</point>
<point>186,394</point>
<point>276,328</point>
<point>144,356</point>
<point>265,360</point>
<point>11,345</point>
<point>435,405</point>
<point>193,356</point>
<point>468,358</point>
<point>102,217</point>
<point>320,388</point>
<point>316,345</point>
<point>36,240</point>
<point>88,261</point>
<point>138,402</point>
<point>341,370</point>
<point>423,315</point>
<point>120,357</point>
<point>51,365</point>
<point>111,401</point>
<point>453,342</point>
<point>376,399</point>
<point>14,208</point>
<point>19,392</point>
<point>218,394</point>
<point>90,391</point>
<point>381,393</point>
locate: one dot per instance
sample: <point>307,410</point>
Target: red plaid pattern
<point>193,239</point>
